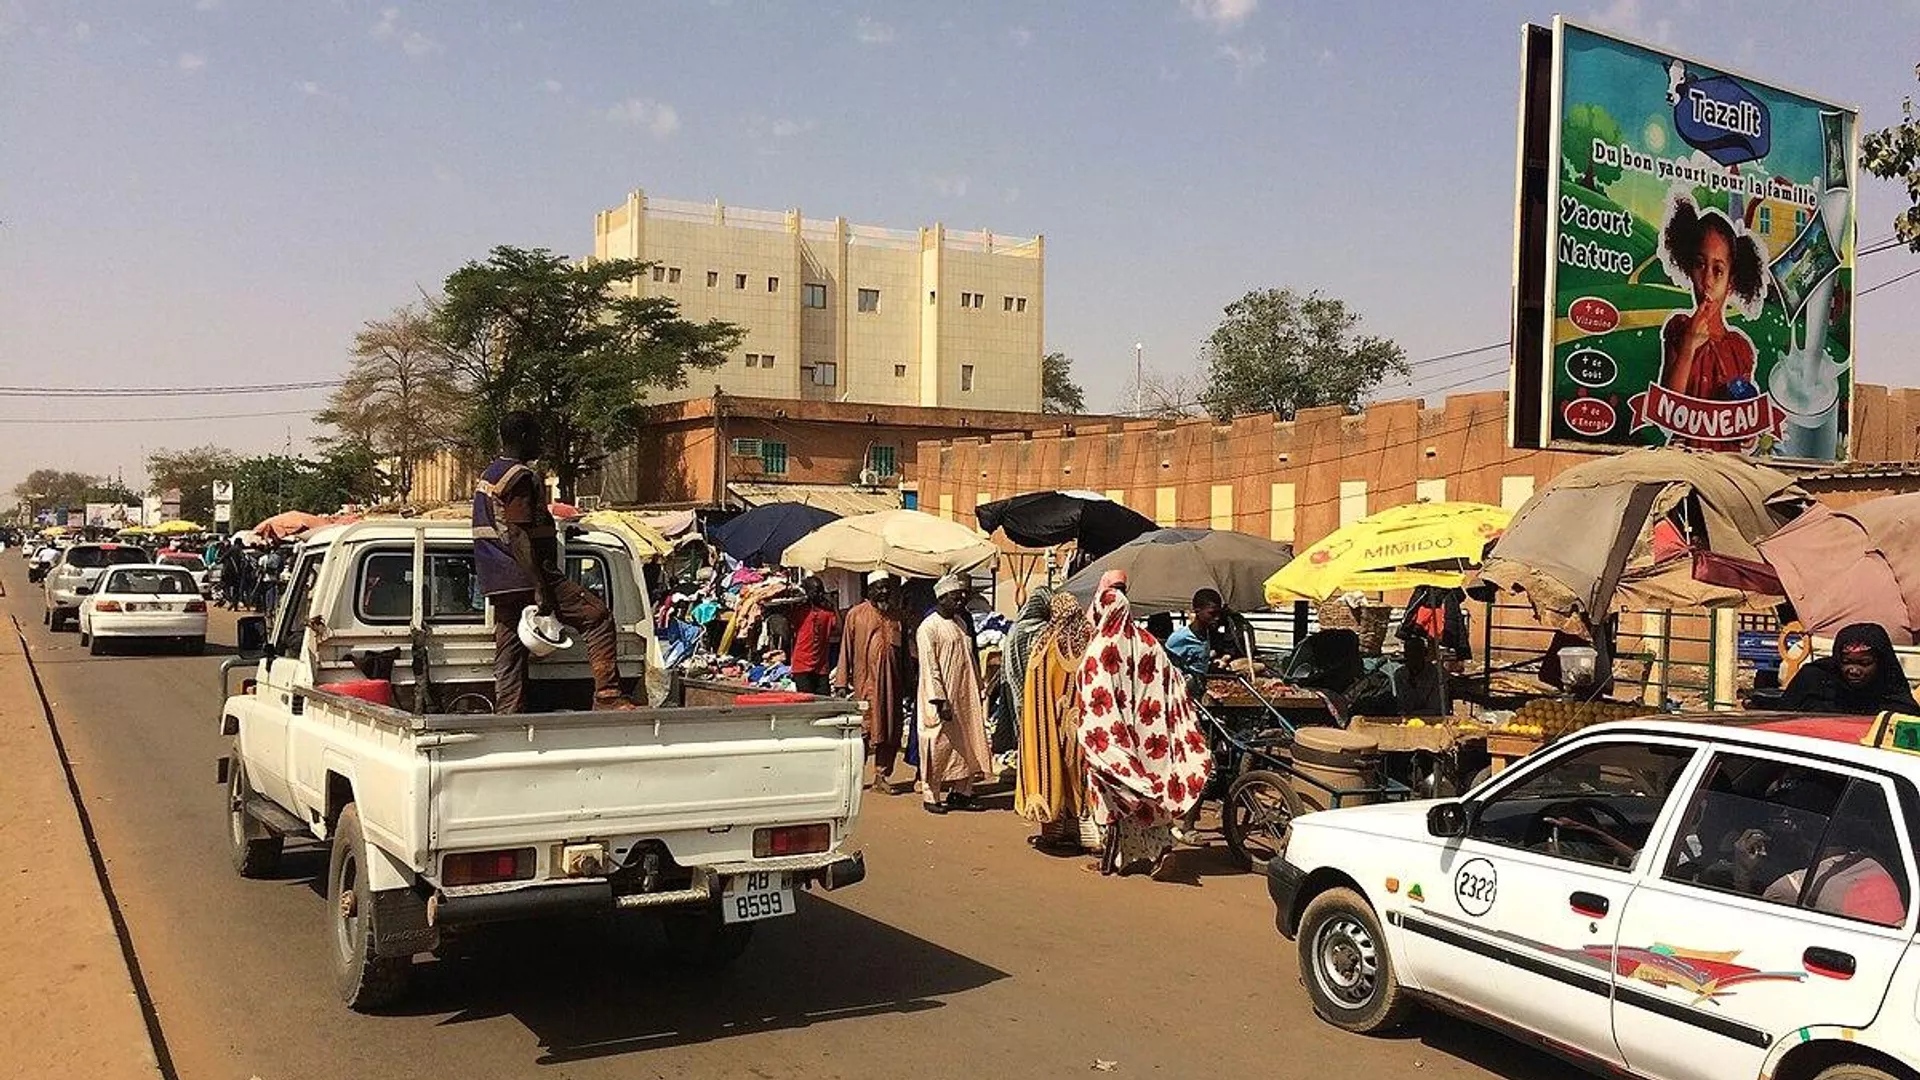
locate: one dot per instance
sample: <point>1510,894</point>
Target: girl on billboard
<point>1702,357</point>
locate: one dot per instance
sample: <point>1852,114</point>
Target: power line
<point>150,419</point>
<point>1890,281</point>
<point>163,391</point>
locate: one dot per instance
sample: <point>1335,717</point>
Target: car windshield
<point>92,558</point>
<point>151,581</point>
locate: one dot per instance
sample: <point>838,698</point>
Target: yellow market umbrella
<point>177,528</point>
<point>136,530</point>
<point>1397,548</point>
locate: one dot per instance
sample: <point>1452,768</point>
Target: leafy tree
<point>1278,351</point>
<point>193,471</point>
<point>55,488</point>
<point>530,329</point>
<point>345,472</point>
<point>1058,392</point>
<point>1585,123</point>
<point>401,399</point>
<point>1892,153</point>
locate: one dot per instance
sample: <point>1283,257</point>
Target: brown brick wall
<point>1391,447</point>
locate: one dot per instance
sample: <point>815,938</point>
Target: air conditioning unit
<point>869,478</point>
<point>746,448</point>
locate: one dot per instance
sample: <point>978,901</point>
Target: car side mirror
<point>251,635</point>
<point>84,590</point>
<point>1448,819</point>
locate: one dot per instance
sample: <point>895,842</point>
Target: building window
<point>966,299</point>
<point>1799,220</point>
<point>713,279</point>
<point>869,299</point>
<point>880,460</point>
<point>978,299</point>
<point>1006,303</point>
<point>659,273</point>
<point>673,275</point>
<point>930,296</point>
<point>773,284</point>
<point>753,359</point>
<point>1766,220</point>
<point>746,448</point>
<point>1019,303</point>
<point>820,374</point>
<point>966,377</point>
<point>899,371</point>
<point>813,296</point>
<point>773,458</point>
<point>739,281</point>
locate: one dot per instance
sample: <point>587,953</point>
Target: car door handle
<point>1831,963</point>
<point>1592,905</point>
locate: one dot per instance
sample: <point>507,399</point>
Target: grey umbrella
<point>1165,568</point>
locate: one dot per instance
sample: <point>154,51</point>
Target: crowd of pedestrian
<point>251,578</point>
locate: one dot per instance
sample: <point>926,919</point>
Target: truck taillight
<point>106,605</point>
<point>791,840</point>
<point>486,867</point>
<point>197,605</point>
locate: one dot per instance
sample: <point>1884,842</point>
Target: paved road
<point>964,954</point>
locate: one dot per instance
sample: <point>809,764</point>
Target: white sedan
<point>144,602</point>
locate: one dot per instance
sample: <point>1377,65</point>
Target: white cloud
<point>412,42</point>
<point>552,86</point>
<point>1628,17</point>
<point>191,61</point>
<point>655,117</point>
<point>83,31</point>
<point>784,128</point>
<point>1244,58</point>
<point>309,88</point>
<point>870,31</point>
<point>951,187</point>
<point>1021,37</point>
<point>1222,14</point>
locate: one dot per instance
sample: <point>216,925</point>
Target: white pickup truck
<point>368,725</point>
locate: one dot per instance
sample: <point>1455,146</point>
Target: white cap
<point>879,577</point>
<point>948,585</point>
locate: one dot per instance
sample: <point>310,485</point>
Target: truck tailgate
<point>699,779</point>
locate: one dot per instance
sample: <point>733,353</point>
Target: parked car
<point>366,722</point>
<point>152,602</point>
<point>78,566</point>
<point>1682,901</point>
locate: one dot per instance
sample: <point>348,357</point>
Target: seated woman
<point>1861,678</point>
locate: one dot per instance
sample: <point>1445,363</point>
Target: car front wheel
<point>1344,962</point>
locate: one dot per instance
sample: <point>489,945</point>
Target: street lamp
<point>1139,378</point>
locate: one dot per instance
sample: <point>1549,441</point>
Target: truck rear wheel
<point>255,849</point>
<point>698,938</point>
<point>364,979</point>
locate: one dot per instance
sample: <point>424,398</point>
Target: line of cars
<point>117,592</point>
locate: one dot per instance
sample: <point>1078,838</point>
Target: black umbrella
<point>1165,568</point>
<point>758,536</point>
<point>1045,518</point>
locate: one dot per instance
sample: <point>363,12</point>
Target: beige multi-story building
<point>840,312</point>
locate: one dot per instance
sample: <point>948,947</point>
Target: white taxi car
<point>1682,901</point>
<point>143,601</point>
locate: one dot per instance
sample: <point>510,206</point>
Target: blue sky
<point>220,191</point>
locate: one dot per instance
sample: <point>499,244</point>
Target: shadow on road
<point>589,990</point>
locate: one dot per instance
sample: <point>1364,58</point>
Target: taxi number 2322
<point>1475,886</point>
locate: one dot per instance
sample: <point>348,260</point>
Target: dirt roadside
<point>68,1006</point>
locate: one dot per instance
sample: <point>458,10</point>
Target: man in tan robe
<point>953,715</point>
<point>873,666</point>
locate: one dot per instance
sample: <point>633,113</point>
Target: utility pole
<point>1139,379</point>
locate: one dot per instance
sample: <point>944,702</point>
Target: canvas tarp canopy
<point>1860,564</point>
<point>1656,529</point>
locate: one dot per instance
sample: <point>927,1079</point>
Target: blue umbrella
<point>758,536</point>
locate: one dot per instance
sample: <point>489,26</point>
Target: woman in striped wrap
<point>1051,788</point>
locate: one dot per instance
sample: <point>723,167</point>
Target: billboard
<point>111,516</point>
<point>1685,272</point>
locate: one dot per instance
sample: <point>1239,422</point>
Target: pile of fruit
<point>1552,719</point>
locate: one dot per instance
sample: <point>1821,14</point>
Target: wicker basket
<point>1368,620</point>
